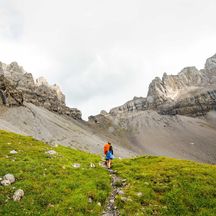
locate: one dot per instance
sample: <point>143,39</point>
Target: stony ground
<point>117,185</point>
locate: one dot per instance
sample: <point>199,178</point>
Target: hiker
<point>109,157</point>
<point>106,149</point>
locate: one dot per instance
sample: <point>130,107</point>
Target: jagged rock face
<point>169,88</point>
<point>137,104</point>
<point>210,69</point>
<point>210,64</point>
<point>17,86</point>
<point>196,105</point>
<point>191,92</point>
<point>9,94</point>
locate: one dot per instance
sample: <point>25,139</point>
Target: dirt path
<point>117,184</point>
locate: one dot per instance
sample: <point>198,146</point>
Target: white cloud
<point>102,53</point>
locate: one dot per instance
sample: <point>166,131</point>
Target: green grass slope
<point>164,186</point>
<point>52,186</point>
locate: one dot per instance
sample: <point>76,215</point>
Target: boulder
<point>51,152</point>
<point>5,182</point>
<point>10,178</point>
<point>18,195</point>
<point>13,152</point>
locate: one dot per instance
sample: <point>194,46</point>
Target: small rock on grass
<point>112,201</point>
<point>50,205</point>
<point>92,165</point>
<point>139,194</point>
<point>76,165</point>
<point>51,152</point>
<point>5,182</point>
<point>8,179</point>
<point>120,192</point>
<point>13,152</point>
<point>90,200</point>
<point>18,195</point>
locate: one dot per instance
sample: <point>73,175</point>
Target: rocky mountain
<point>176,119</point>
<point>17,86</point>
<point>191,92</point>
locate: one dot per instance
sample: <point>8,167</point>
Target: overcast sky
<point>102,53</point>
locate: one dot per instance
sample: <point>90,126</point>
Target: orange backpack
<point>106,148</point>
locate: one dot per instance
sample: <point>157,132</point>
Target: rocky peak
<point>19,82</point>
<point>211,63</point>
<point>14,67</point>
<point>2,68</point>
<point>59,93</point>
<point>210,69</point>
<point>190,92</point>
<point>41,81</point>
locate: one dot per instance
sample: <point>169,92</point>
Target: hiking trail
<point>117,184</point>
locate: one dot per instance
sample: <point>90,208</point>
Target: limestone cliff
<point>18,86</point>
<point>191,92</point>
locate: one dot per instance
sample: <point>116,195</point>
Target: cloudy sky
<point>104,52</point>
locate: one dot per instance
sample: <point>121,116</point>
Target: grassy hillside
<point>52,186</point>
<point>164,186</point>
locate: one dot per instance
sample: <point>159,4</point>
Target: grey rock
<point>92,165</point>
<point>5,182</point>
<point>210,64</point>
<point>120,192</point>
<point>51,152</point>
<point>13,152</point>
<point>112,201</point>
<point>139,194</point>
<point>10,178</point>
<point>90,200</point>
<point>76,165</point>
<point>103,112</point>
<point>18,195</point>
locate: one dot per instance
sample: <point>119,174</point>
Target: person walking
<point>109,157</point>
<point>106,149</point>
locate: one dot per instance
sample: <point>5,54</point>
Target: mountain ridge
<point>17,86</point>
<point>171,94</point>
<point>177,121</point>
